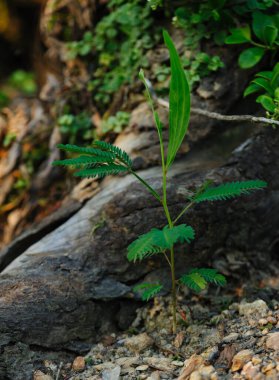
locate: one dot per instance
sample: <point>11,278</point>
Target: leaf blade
<point>179,101</point>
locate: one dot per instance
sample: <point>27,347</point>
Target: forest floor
<point>216,339</point>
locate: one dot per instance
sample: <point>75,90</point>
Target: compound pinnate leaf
<point>148,290</point>
<point>156,241</point>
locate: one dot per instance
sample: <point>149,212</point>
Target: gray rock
<point>111,374</point>
<point>257,308</point>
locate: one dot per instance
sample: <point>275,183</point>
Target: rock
<point>203,373</point>
<point>195,376</point>
<point>272,320</point>
<point>191,365</point>
<point>271,375</point>
<point>268,367</point>
<point>78,364</point>
<point>142,367</point>
<point>210,354</point>
<point>178,341</point>
<point>111,374</point>
<point>231,338</point>
<point>154,376</point>
<point>177,363</point>
<point>127,361</point>
<point>138,343</point>
<point>273,341</point>
<point>256,308</point>
<point>39,375</point>
<point>262,322</point>
<point>240,359</point>
<point>265,331</point>
<point>250,371</point>
<point>256,360</point>
<point>226,356</point>
<point>162,364</point>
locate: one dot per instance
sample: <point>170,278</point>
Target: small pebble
<point>143,367</point>
<point>78,364</point>
<point>263,322</point>
<point>272,320</point>
<point>177,363</point>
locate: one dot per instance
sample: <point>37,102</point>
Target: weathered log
<point>73,285</point>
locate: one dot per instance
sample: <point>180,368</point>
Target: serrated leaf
<point>179,101</point>
<point>250,57</point>
<point>148,290</point>
<point>194,281</point>
<point>267,102</point>
<point>229,190</point>
<point>239,35</point>
<point>101,171</point>
<point>157,241</point>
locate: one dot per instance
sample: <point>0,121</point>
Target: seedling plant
<point>103,159</point>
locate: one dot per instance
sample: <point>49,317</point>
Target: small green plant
<point>23,81</point>
<point>82,47</point>
<point>267,83</point>
<point>76,126</point>
<point>265,29</point>
<point>115,123</point>
<point>102,159</point>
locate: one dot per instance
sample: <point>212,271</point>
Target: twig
<point>218,116</point>
<point>59,370</point>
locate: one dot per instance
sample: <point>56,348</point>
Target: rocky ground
<point>240,342</point>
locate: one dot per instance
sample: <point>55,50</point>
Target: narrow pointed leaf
<point>179,102</point>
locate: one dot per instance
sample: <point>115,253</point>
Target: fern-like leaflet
<point>198,278</point>
<point>228,190</point>
<point>90,151</point>
<point>101,171</point>
<point>98,161</point>
<point>148,290</point>
<point>120,154</point>
<point>156,241</point>
<point>86,161</point>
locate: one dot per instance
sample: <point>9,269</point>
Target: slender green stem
<point>189,205</point>
<point>149,188</point>
<point>174,301</point>
<point>262,46</point>
<point>172,259</point>
<point>166,257</point>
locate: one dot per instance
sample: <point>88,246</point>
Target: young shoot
<point>103,159</point>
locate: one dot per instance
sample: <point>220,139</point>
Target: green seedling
<point>103,159</point>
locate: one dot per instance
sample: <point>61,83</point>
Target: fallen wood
<point>71,286</point>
